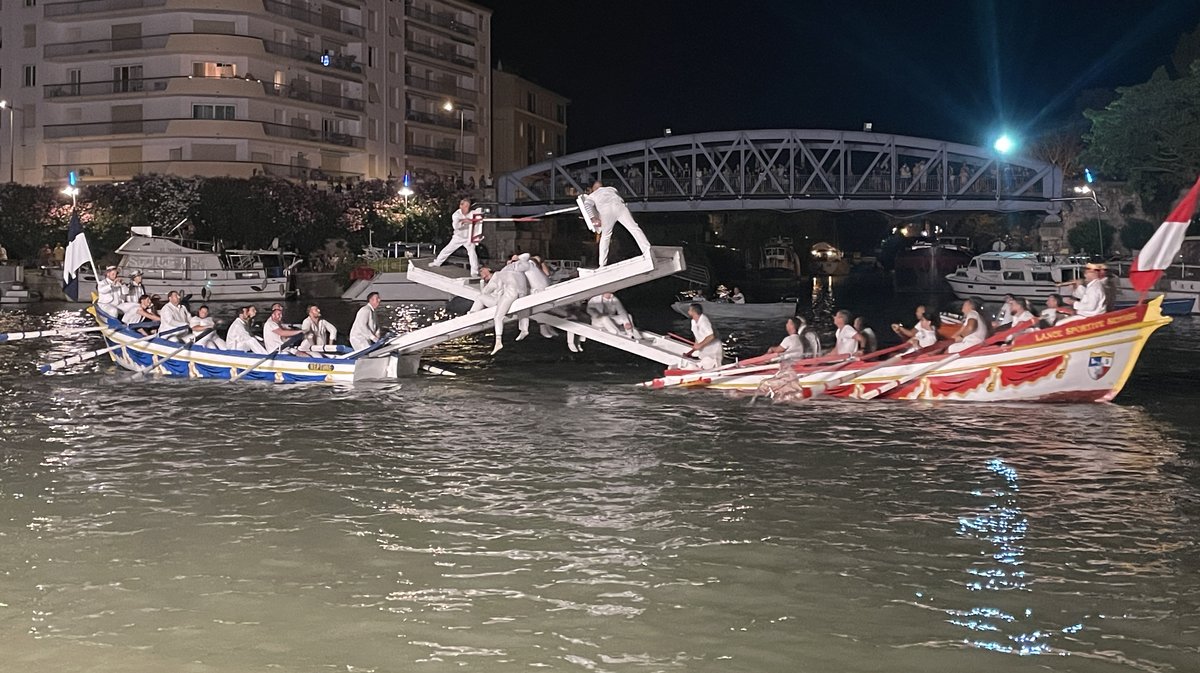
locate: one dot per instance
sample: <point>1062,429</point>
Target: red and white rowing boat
<point>1086,360</point>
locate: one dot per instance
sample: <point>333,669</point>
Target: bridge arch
<point>790,169</point>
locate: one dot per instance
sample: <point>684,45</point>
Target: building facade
<point>530,122</point>
<point>320,90</point>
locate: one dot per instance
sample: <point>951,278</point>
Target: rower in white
<point>974,330</point>
<point>365,330</point>
<point>462,224</point>
<point>609,209</point>
<point>317,330</point>
<point>609,314</point>
<point>203,321</point>
<point>143,312</point>
<point>847,340</point>
<point>273,331</point>
<point>500,290</point>
<point>173,313</point>
<point>110,293</point>
<point>239,338</point>
<point>792,344</point>
<point>706,347</point>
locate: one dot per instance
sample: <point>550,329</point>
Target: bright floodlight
<point>1003,144</point>
<point>448,106</point>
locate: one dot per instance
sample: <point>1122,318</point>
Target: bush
<point>1136,232</point>
<point>1086,236</point>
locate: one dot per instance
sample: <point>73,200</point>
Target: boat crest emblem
<point>1099,363</point>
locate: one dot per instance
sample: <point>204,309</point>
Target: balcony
<point>440,20</point>
<point>159,84</point>
<point>84,7</point>
<point>303,15</point>
<point>448,55</point>
<point>95,172</point>
<point>442,153</point>
<point>105,46</point>
<point>445,120</point>
<point>439,87</point>
<point>336,61</point>
<point>159,126</point>
<point>310,96</point>
<point>106,87</point>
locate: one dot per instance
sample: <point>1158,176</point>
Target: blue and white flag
<point>78,254</point>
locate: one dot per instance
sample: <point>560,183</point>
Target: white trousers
<point>607,224</point>
<point>359,342</point>
<point>711,355</point>
<point>966,343</point>
<point>455,243</point>
<point>502,302</point>
<point>608,324</point>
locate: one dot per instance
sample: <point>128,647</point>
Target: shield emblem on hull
<point>1098,364</point>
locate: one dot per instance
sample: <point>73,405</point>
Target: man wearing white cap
<point>1092,299</point>
<point>111,293</point>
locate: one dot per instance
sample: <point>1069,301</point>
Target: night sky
<point>948,70</point>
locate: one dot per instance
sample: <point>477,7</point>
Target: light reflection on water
<point>538,510</point>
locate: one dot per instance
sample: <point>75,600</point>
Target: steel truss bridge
<point>790,170</point>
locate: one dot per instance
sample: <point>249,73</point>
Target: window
<point>560,113</point>
<point>370,57</point>
<point>393,132</point>
<point>31,35</point>
<point>393,61</point>
<point>31,3</point>
<point>1042,277</point>
<point>991,265</point>
<point>210,69</point>
<point>127,78</point>
<point>372,20</point>
<point>373,129</point>
<point>74,77</point>
<point>1014,275</point>
<point>531,101</point>
<point>205,111</point>
<point>31,75</point>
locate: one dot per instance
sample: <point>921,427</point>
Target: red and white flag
<point>1161,249</point>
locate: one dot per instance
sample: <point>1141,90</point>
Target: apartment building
<point>320,90</point>
<point>530,122</point>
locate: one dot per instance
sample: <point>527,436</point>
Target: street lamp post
<point>462,135</point>
<point>12,149</point>
<point>1088,194</point>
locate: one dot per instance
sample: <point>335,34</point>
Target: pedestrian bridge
<point>787,170</point>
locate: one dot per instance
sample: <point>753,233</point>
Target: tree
<point>26,220</point>
<point>1150,135</point>
<point>1060,147</point>
<point>1136,232</point>
<point>1093,238</point>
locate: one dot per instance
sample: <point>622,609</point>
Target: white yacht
<point>386,271</point>
<point>992,275</point>
<point>204,271</point>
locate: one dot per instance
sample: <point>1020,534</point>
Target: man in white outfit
<point>203,321</point>
<point>707,347</point>
<point>366,325</point>
<point>317,330</point>
<point>238,338</point>
<point>1092,299</point>
<point>173,314</point>
<point>110,293</point>
<point>500,290</point>
<point>606,208</point>
<point>609,314</point>
<point>273,331</point>
<point>462,224</point>
<point>538,281</point>
<point>974,330</point>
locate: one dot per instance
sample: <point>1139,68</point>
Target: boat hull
<point>1081,361</point>
<point>730,311</point>
<point>393,286</point>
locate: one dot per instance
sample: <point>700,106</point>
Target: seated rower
<point>847,339</point>
<point>273,331</point>
<point>317,331</point>
<point>173,313</point>
<point>792,345</point>
<point>1018,310</point>
<point>143,312</point>
<point>925,333</point>
<point>239,338</point>
<point>870,343</point>
<point>203,321</point>
<point>609,314</point>
<point>808,338</point>
<point>737,297</point>
<point>974,330</point>
<point>906,333</point>
<point>1054,311</point>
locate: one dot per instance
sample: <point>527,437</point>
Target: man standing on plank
<point>462,223</point>
<point>606,208</point>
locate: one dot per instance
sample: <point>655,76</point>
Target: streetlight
<point>12,149</point>
<point>71,191</point>
<point>1088,194</point>
<point>462,135</point>
<point>1004,144</point>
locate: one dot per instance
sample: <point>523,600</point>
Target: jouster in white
<point>609,314</point>
<point>462,224</point>
<point>365,330</point>
<point>238,338</point>
<point>317,331</point>
<point>606,208</point>
<point>110,293</point>
<point>500,290</point>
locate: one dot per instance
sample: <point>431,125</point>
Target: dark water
<point>539,512</point>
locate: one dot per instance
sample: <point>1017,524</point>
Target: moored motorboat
<point>747,311</point>
<point>1084,360</point>
<point>924,264</point>
<point>387,274</point>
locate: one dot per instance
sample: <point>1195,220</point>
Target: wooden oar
<point>63,331</point>
<point>292,341</point>
<point>681,339</point>
<point>84,357</point>
<point>820,387</point>
<point>923,371</point>
<point>437,370</point>
<point>154,361</point>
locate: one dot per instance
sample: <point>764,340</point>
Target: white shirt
<point>271,340</point>
<point>365,325</point>
<point>981,329</point>
<point>711,354</point>
<point>462,224</point>
<point>1050,315</point>
<point>1091,299</point>
<point>607,204</point>
<point>1022,317</point>
<point>134,316</point>
<point>925,336</point>
<point>134,292</point>
<point>320,333</point>
<point>205,323</point>
<point>238,338</point>
<point>110,291</point>
<point>737,298</point>
<point>172,316</point>
<point>598,307</point>
<point>791,342</point>
<point>847,344</point>
<point>510,279</point>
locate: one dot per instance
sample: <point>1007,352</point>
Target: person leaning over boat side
<point>173,314</point>
<point>974,330</point>
<point>273,331</point>
<point>609,314</point>
<point>870,342</point>
<point>610,209</point>
<point>239,338</point>
<point>706,347</point>
<point>791,343</point>
<point>906,333</point>
<point>110,292</point>
<point>365,330</point>
<point>538,280</point>
<point>203,321</point>
<point>847,340</point>
<point>500,289</point>
<point>462,224</point>
<point>143,312</point>
<point>1092,299</point>
<point>317,330</point>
